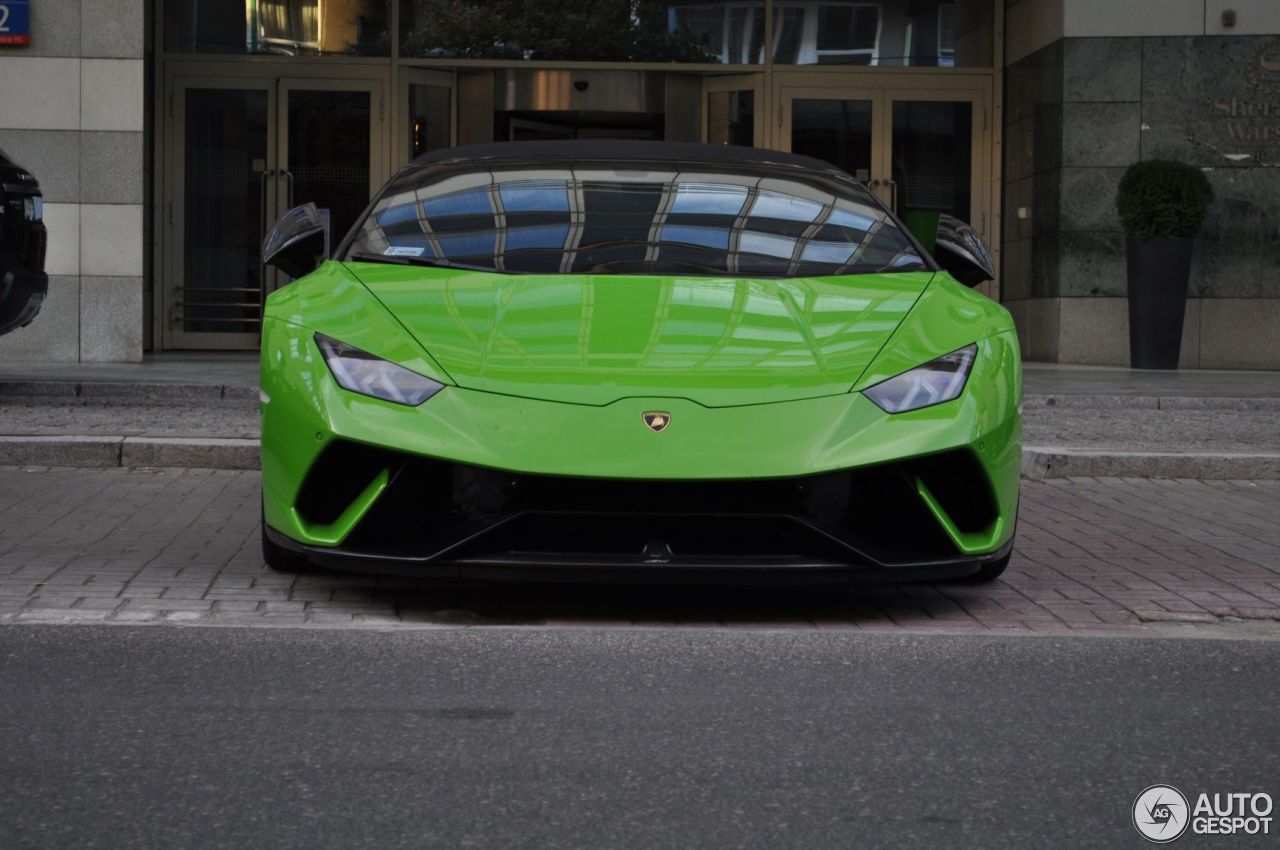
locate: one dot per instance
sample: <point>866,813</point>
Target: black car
<point>23,283</point>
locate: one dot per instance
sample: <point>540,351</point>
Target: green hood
<point>594,339</point>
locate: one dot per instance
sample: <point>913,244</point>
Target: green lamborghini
<point>636,360</point>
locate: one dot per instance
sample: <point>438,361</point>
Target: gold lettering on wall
<point>1254,120</point>
<point>1249,120</point>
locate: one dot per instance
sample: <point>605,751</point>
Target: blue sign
<point>15,22</point>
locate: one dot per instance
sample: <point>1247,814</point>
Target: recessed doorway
<point>241,151</point>
<point>921,144</point>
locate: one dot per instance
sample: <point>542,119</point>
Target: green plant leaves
<point>1163,199</point>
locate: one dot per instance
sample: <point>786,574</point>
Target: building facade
<point>1092,87</point>
<point>169,134</point>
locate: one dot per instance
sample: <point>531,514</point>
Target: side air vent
<point>961,487</point>
<point>338,476</point>
<point>887,518</point>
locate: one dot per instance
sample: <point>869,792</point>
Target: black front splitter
<point>578,568</point>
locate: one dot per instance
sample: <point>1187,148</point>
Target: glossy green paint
<point>330,297</point>
<point>593,339</point>
<point>726,423</point>
<point>333,533</point>
<point>948,316</point>
<point>970,543</point>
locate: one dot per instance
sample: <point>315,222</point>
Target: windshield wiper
<point>435,262</point>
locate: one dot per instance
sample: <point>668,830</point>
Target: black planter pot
<point>1159,270</point>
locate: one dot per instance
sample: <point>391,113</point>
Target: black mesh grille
<point>465,513</point>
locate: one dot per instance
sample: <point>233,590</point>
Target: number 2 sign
<point>15,22</point>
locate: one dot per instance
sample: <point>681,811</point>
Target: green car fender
<point>948,317</point>
<point>332,300</point>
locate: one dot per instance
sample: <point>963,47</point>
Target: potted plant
<point>1162,205</point>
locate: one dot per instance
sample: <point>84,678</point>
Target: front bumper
<point>484,485</point>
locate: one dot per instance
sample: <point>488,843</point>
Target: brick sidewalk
<point>1093,555</point>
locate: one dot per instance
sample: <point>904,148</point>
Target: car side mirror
<point>960,251</point>
<point>299,241</point>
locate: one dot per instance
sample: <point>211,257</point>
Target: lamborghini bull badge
<point>656,420</point>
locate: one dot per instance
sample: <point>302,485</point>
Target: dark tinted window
<point>703,31</point>
<point>278,27</point>
<point>652,218</point>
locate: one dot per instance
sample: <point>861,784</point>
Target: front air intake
<point>960,486</point>
<point>341,473</point>
<point>435,509</point>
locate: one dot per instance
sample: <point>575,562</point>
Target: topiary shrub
<point>1163,199</point>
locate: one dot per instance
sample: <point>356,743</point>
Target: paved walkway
<point>1093,556</point>
<point>1064,379</point>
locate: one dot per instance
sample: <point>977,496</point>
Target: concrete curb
<point>1038,463</point>
<point>127,391</point>
<point>1106,401</point>
<point>210,453</point>
<point>60,451</point>
<point>203,452</point>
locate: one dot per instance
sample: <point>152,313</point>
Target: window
<point>286,27</point>
<point>807,33</point>
<point>700,31</point>
<point>885,33</point>
<point>946,37</point>
<point>278,27</point>
<point>848,31</point>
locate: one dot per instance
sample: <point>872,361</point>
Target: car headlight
<point>361,372</point>
<point>933,383</point>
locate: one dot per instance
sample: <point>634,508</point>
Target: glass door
<point>732,110</point>
<point>932,167</point>
<point>842,127</point>
<point>924,153</point>
<point>427,119</point>
<point>222,196</point>
<point>330,146</point>
<point>241,152</point>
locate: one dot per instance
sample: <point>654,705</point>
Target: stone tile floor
<point>175,546</point>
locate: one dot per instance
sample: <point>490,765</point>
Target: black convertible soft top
<point>625,150</point>
<point>807,218</point>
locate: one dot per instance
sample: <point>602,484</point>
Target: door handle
<point>266,228</point>
<point>891,186</point>
<point>262,197</point>
<point>288,184</point>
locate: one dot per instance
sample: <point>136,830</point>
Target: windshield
<point>650,218</point>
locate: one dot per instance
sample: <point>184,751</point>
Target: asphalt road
<point>120,737</point>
